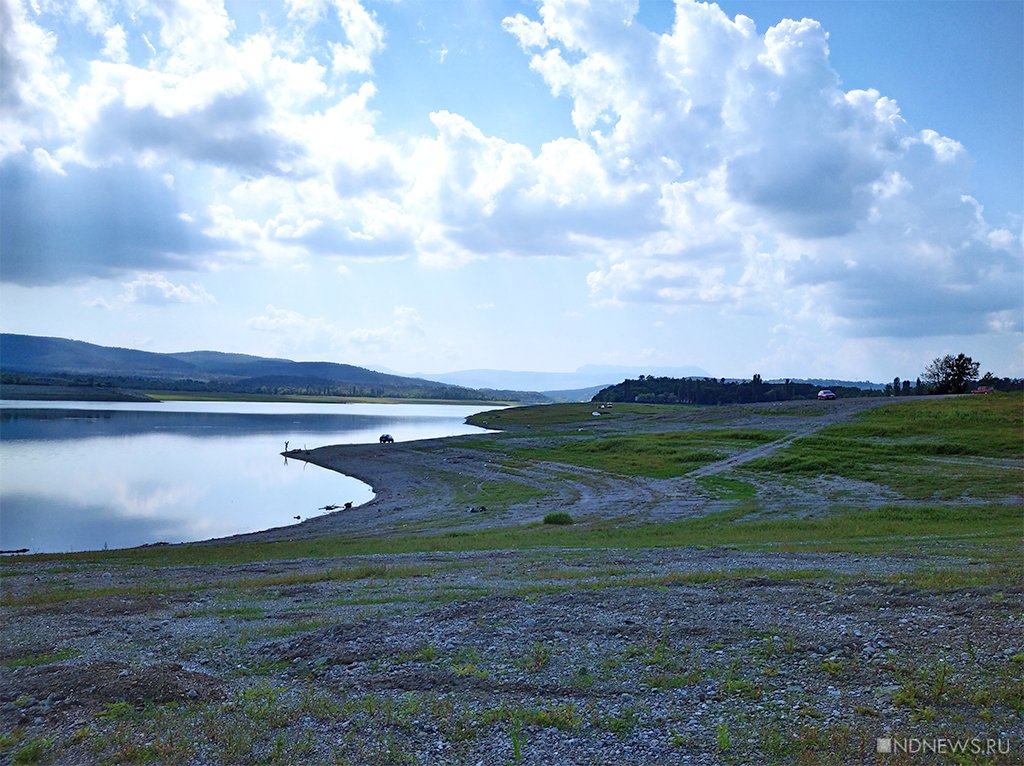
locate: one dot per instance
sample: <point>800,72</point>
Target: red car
<point>826,394</point>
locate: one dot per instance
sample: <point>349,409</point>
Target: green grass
<point>658,455</point>
<point>498,494</point>
<point>33,751</point>
<point>548,415</point>
<point>536,415</point>
<point>560,517</point>
<point>36,659</point>
<point>932,449</point>
<point>57,595</point>
<point>722,488</point>
<point>887,529</point>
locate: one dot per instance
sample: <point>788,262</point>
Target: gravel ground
<point>677,656</point>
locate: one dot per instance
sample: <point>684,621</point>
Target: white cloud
<point>776,188</point>
<point>365,36</point>
<point>33,86</point>
<point>116,44</point>
<point>296,329</point>
<point>293,329</point>
<point>405,323</point>
<point>530,33</point>
<point>158,290</point>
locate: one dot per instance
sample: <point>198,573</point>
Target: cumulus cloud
<point>776,187</point>
<point>483,195</point>
<point>364,34</point>
<point>227,131</point>
<point>32,83</point>
<point>405,326</point>
<point>158,290</point>
<point>405,323</point>
<point>278,320</point>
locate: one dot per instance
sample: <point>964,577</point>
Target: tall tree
<point>950,374</point>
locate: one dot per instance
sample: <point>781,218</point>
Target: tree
<point>896,386</point>
<point>950,375</point>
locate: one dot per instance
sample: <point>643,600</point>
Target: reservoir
<point>80,476</point>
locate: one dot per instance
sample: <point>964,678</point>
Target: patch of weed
<point>33,751</point>
<point>536,657</point>
<point>559,517</point>
<point>44,658</point>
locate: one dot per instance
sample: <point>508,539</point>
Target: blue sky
<point>789,188</point>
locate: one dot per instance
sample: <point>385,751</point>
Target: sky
<point>792,189</point>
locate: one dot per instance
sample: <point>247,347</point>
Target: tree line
<point>661,390</point>
<point>944,375</point>
<point>952,375</point>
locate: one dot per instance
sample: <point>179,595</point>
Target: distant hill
<point>575,394</point>
<point>30,353</point>
<point>29,359</point>
<point>588,376</point>
<point>865,385</point>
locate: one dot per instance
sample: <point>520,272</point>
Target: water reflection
<point>89,476</point>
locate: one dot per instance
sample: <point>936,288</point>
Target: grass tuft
<point>560,517</point>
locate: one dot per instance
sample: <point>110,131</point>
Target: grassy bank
<point>891,529</point>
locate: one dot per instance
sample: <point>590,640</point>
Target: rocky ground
<point>545,656</point>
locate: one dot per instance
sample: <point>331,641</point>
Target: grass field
<point>931,449</point>
<point>659,455</point>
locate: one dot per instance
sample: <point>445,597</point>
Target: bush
<point>558,518</point>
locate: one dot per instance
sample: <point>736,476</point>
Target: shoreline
<point>19,392</point>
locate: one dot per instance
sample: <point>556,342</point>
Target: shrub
<point>558,518</point>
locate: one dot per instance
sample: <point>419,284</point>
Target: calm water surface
<point>88,475</point>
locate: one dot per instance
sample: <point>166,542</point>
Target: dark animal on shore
<point>387,439</point>
<point>328,507</point>
<point>297,518</point>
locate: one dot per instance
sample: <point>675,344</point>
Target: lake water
<point>88,475</point>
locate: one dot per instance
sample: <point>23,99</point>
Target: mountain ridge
<point>25,356</point>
